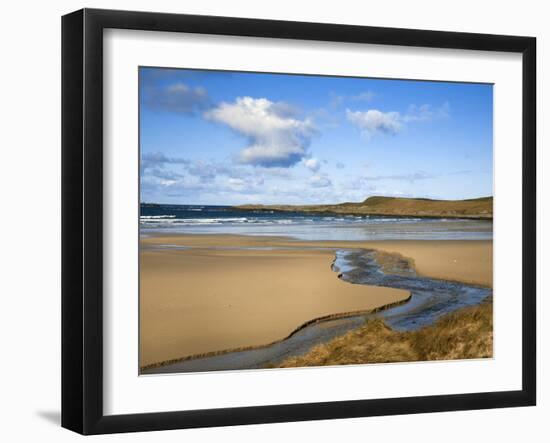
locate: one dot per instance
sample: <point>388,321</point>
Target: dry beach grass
<point>463,334</point>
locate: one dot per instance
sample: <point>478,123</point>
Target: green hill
<point>478,208</point>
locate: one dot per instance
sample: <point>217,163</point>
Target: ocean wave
<point>167,220</point>
<point>192,221</point>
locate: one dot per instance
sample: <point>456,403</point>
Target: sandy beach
<point>467,261</point>
<point>229,292</point>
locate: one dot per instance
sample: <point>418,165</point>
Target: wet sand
<point>466,261</point>
<point>220,295</point>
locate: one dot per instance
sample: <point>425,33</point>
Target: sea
<point>207,219</point>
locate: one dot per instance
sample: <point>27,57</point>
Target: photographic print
<point>294,220</point>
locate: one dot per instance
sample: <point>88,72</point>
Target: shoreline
<point>462,261</point>
<point>456,217</point>
<point>221,312</point>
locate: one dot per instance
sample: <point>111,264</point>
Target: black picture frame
<point>82,218</point>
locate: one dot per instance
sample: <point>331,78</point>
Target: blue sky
<point>213,137</point>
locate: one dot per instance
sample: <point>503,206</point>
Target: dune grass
<point>464,334</point>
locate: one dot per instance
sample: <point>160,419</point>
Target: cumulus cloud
<point>277,138</point>
<point>176,97</point>
<point>374,121</point>
<point>340,165</point>
<point>312,164</point>
<point>320,181</point>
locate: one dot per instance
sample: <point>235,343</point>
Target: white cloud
<point>320,181</point>
<point>276,137</point>
<point>312,164</point>
<point>426,112</point>
<point>236,184</point>
<point>374,121</point>
<point>167,182</point>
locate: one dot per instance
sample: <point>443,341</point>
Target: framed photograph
<point>269,221</point>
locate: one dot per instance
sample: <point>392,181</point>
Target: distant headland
<point>477,208</point>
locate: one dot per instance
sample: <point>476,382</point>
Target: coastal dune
<point>206,300</point>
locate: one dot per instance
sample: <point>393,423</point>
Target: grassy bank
<point>466,333</point>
